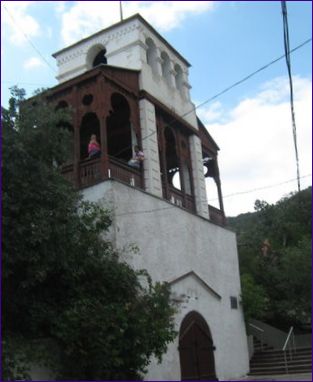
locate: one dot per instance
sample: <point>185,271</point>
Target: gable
<point>193,278</point>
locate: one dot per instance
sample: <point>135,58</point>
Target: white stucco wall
<point>152,173</point>
<point>198,177</point>
<point>172,243</point>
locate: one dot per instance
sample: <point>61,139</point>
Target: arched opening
<point>211,175</point>
<point>172,161</point>
<point>196,349</point>
<point>151,55</point>
<point>100,58</point>
<point>178,77</point>
<point>119,131</point>
<point>96,56</point>
<point>166,67</point>
<point>90,125</point>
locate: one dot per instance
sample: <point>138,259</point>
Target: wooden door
<point>196,349</point>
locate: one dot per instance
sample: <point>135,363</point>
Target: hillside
<point>274,245</point>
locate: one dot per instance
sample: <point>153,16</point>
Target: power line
<point>250,75</point>
<point>260,188</point>
<point>228,88</point>
<point>234,194</point>
<point>29,40</point>
<point>288,62</point>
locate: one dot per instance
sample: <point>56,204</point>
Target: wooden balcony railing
<point>68,173</point>
<point>217,216</point>
<point>89,172</point>
<point>180,199</point>
<point>120,170</point>
<point>94,171</point>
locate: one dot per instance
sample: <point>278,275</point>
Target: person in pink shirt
<point>94,147</point>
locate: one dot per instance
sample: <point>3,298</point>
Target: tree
<point>63,285</point>
<point>274,246</point>
<point>254,298</point>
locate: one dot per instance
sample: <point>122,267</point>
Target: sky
<point>224,41</point>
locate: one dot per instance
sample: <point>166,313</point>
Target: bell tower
<point>128,86</point>
<point>164,87</point>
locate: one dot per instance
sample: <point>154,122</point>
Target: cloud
<point>173,12</point>
<point>60,6</point>
<point>211,113</point>
<point>33,63</point>
<point>17,22</point>
<point>257,148</point>
<point>85,18</point>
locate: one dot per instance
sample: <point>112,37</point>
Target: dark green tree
<point>274,245</point>
<point>68,302</point>
<point>254,298</point>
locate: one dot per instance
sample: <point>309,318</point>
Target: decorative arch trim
<point>198,279</point>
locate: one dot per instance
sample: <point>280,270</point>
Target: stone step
<point>281,370</point>
<point>269,363</point>
<point>281,355</point>
<point>258,349</point>
<point>279,351</point>
<point>272,362</point>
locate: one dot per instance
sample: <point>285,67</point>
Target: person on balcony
<point>94,147</point>
<point>137,159</point>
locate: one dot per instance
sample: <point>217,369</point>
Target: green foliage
<point>64,286</point>
<point>275,251</point>
<point>14,359</point>
<point>254,298</point>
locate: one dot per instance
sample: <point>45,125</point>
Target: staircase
<point>269,361</point>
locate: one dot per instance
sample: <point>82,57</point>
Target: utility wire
<point>260,188</point>
<point>288,62</point>
<point>235,194</point>
<point>29,40</point>
<point>227,89</point>
<point>250,75</point>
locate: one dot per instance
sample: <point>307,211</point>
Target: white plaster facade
<point>152,175</point>
<point>197,257</point>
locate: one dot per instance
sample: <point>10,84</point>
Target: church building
<point>128,86</point>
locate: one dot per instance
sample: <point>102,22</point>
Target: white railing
<point>290,340</point>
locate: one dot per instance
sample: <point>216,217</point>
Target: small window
<point>87,99</point>
<point>233,302</point>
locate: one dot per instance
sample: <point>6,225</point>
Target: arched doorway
<point>196,350</point>
<point>119,131</point>
<point>172,160</point>
<point>90,125</point>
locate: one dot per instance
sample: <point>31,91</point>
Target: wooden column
<point>103,111</point>
<point>76,120</point>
